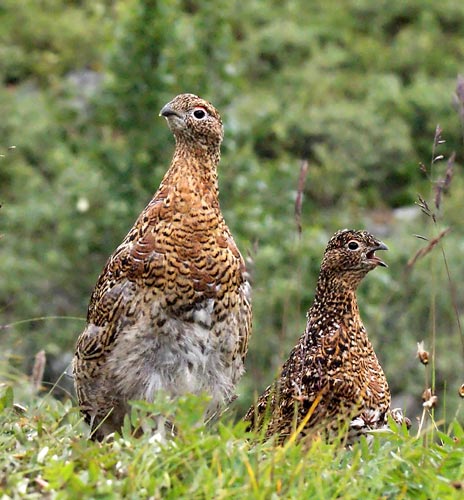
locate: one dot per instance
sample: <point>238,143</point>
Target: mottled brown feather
<point>334,358</point>
<point>171,310</point>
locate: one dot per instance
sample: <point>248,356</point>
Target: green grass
<point>44,453</point>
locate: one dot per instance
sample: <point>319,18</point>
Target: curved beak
<point>168,111</point>
<point>371,254</point>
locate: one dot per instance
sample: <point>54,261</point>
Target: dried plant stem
<point>39,318</point>
<point>305,420</point>
<point>299,195</point>
<point>422,252</point>
<point>453,299</point>
<point>459,101</point>
<point>421,424</point>
<point>433,330</point>
<point>303,174</point>
<point>38,371</point>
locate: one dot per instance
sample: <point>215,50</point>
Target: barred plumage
<point>171,310</point>
<point>333,365</point>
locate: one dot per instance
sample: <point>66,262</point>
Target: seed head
<point>429,399</point>
<point>422,354</point>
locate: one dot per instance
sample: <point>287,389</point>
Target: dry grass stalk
<point>459,97</point>
<point>422,252</point>
<point>437,140</point>
<point>442,185</point>
<point>299,194</point>
<point>38,370</point>
<point>424,206</point>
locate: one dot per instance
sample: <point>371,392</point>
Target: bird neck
<point>203,152</point>
<point>195,168</point>
<point>335,299</point>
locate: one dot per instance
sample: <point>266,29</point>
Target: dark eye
<point>199,113</point>
<point>353,245</point>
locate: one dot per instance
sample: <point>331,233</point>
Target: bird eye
<point>199,113</point>
<point>353,245</point>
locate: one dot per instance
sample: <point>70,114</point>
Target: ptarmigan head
<point>351,253</point>
<point>193,120</point>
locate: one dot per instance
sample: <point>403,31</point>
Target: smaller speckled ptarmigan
<point>171,310</point>
<point>333,361</point>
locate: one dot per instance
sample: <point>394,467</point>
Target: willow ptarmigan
<point>333,365</point>
<point>171,310</point>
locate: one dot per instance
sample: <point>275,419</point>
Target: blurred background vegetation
<point>354,88</point>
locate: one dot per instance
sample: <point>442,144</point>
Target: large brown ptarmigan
<point>333,368</point>
<point>171,310</point>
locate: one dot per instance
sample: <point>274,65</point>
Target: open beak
<point>373,258</point>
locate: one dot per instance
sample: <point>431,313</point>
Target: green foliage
<point>46,39</point>
<point>45,453</point>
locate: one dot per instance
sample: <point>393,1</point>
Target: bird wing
<point>345,369</point>
<point>314,367</point>
<point>138,260</point>
<point>182,265</point>
<point>113,302</point>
